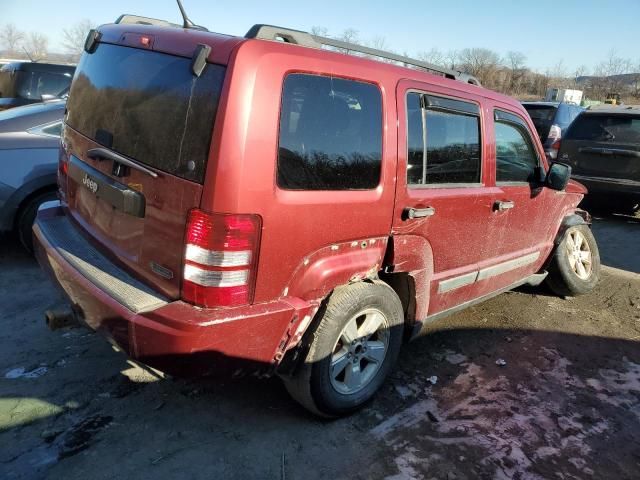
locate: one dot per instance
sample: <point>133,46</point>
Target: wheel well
<point>403,284</point>
<point>27,200</point>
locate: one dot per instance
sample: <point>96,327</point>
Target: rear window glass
<point>32,85</point>
<point>148,106</point>
<point>542,117</point>
<point>606,128</point>
<point>330,134</point>
<point>443,140</point>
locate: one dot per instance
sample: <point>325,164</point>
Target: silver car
<point>29,138</point>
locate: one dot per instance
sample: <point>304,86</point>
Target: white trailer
<point>563,95</point>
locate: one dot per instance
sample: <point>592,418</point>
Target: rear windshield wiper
<point>103,153</point>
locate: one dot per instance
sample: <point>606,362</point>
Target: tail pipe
<point>60,316</point>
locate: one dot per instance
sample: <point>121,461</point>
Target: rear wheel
<point>575,266</point>
<point>352,350</point>
<point>27,216</point>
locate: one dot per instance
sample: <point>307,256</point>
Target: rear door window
<point>443,141</point>
<point>606,128</point>
<point>148,106</point>
<point>330,134</point>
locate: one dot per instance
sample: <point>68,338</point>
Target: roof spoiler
<point>138,20</point>
<point>305,39</point>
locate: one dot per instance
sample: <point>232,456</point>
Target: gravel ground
<point>525,386</point>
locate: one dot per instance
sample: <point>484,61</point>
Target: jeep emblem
<point>90,183</point>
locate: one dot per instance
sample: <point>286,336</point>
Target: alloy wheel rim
<point>359,351</point>
<point>579,254</point>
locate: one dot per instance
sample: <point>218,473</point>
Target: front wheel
<point>353,348</point>
<point>575,265</point>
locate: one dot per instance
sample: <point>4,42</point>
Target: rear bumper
<point>600,185</point>
<point>170,335</point>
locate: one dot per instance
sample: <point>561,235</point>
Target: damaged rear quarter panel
<point>334,265</point>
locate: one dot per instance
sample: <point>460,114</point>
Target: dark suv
<point>283,207</point>
<point>551,119</point>
<point>22,83</point>
<point>603,148</point>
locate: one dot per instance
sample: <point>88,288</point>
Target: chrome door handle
<point>501,206</point>
<point>411,212</point>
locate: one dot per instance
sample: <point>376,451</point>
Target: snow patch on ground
<point>22,372</point>
<point>511,426</point>
<point>454,358</point>
<point>619,388</point>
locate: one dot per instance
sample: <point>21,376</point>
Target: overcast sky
<point>546,31</point>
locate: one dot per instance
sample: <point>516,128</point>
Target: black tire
<point>311,384</point>
<point>562,278</point>
<point>26,217</point>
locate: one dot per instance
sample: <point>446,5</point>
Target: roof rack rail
<point>305,39</point>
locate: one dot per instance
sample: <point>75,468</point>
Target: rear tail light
<point>555,132</point>
<point>220,259</point>
<point>553,151</point>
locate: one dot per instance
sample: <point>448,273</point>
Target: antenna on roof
<point>28,55</point>
<point>186,22</point>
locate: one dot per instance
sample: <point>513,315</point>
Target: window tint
<point>542,117</point>
<point>516,160</point>
<point>606,128</point>
<point>148,106</point>
<point>443,141</point>
<point>330,134</point>
<point>32,85</point>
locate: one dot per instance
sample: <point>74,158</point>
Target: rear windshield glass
<point>148,106</point>
<point>542,116</point>
<point>606,128</point>
<point>32,85</point>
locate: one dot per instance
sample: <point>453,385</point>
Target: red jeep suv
<point>268,203</point>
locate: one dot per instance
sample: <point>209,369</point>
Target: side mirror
<point>558,176</point>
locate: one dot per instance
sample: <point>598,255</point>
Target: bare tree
<point>635,80</point>
<point>320,31</point>
<point>481,63</point>
<point>558,71</point>
<point>452,58</point>
<point>36,46</point>
<point>11,38</point>
<point>350,35</point>
<point>516,63</point>
<point>379,43</point>
<point>73,37</point>
<point>609,77</point>
<point>434,56</point>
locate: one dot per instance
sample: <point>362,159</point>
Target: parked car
<point>603,148</point>
<point>551,119</point>
<point>29,144</point>
<point>279,206</point>
<point>22,83</point>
